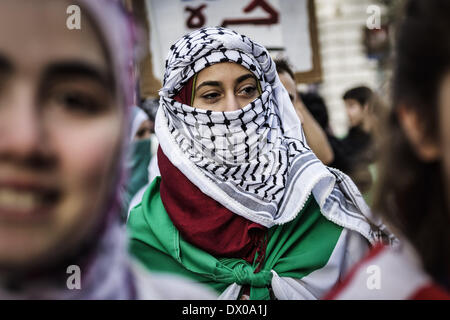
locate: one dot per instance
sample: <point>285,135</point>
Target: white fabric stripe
<point>400,274</point>
<point>350,247</point>
<point>231,293</point>
<point>163,286</point>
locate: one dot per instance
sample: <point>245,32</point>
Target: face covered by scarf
<point>138,158</point>
<point>254,161</point>
<point>102,258</point>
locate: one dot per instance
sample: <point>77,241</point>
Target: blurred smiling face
<point>60,131</point>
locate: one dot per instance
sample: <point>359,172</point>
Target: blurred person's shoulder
<point>160,286</point>
<point>388,273</point>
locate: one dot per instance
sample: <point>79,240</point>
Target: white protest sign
<point>279,25</point>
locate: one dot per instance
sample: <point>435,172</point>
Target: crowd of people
<point>230,185</point>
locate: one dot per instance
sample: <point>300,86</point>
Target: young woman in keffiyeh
<point>241,203</point>
<point>64,105</point>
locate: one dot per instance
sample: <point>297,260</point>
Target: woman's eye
<point>210,96</point>
<point>144,133</point>
<point>248,91</point>
<point>78,102</point>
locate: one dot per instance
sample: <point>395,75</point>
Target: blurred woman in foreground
<point>64,99</point>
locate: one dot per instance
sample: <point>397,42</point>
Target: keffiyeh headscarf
<point>254,161</point>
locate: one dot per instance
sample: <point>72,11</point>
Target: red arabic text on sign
<point>196,14</point>
<point>272,19</point>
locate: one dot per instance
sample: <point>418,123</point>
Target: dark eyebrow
<point>82,69</point>
<point>245,77</point>
<point>5,65</point>
<point>209,83</point>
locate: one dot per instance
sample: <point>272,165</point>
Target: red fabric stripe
<point>430,292</point>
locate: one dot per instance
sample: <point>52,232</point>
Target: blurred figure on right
<point>358,144</point>
<point>315,135</point>
<point>413,194</point>
<point>357,102</point>
<point>318,109</point>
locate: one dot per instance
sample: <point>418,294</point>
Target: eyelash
<point>78,102</point>
<point>214,95</point>
<point>211,96</point>
<point>142,132</point>
<point>252,90</point>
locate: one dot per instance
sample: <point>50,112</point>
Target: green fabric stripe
<point>294,249</point>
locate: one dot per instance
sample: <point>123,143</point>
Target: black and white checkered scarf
<point>254,161</point>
